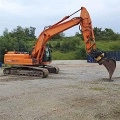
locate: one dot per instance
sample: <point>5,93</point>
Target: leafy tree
<point>80,52</point>
<point>24,38</point>
<point>77,34</point>
<point>57,46</point>
<point>64,46</point>
<point>17,39</point>
<point>98,33</point>
<point>58,36</point>
<point>106,34</point>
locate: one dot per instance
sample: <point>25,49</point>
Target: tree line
<point>24,38</point>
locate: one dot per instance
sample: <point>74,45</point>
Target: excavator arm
<point>86,27</point>
<point>84,21</point>
<point>49,33</point>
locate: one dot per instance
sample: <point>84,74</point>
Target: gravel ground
<point>80,91</point>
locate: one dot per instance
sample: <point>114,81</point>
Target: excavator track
<point>52,69</point>
<point>26,71</point>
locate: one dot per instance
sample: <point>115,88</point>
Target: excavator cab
<point>47,57</point>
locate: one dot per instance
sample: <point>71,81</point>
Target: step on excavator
<point>36,62</point>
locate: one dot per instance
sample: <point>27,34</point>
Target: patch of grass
<point>57,55</point>
<point>74,86</point>
<point>109,45</point>
<point>97,88</point>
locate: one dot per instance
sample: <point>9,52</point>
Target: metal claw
<point>110,65</point>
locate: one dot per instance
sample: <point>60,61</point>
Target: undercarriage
<point>41,71</point>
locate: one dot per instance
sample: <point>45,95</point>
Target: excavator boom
<point>36,62</point>
<point>91,49</point>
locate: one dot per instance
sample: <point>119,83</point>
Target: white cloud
<point>10,7</point>
<point>39,13</point>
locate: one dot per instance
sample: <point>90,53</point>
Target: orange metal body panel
<point>17,59</point>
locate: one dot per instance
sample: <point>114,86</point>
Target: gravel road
<point>80,91</point>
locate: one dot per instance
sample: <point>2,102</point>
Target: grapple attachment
<point>110,65</point>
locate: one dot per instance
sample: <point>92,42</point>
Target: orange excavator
<point>36,62</point>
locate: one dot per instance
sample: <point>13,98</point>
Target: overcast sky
<point>41,13</point>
